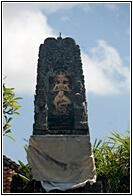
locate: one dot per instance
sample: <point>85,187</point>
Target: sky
<point>102,30</point>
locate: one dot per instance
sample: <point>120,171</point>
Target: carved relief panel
<point>61,101</point>
<point>60,105</point>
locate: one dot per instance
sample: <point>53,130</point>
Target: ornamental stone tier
<point>60,102</point>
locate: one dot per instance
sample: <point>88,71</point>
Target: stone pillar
<point>59,149</point>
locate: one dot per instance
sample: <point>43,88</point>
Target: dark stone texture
<point>18,185</point>
<point>60,101</point>
<point>36,187</point>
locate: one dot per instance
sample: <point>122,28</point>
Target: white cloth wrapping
<point>61,162</point>
<point>48,186</point>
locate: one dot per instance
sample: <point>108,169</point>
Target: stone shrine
<point>60,104</point>
<point>60,154</point>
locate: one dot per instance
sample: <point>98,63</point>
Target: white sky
<point>25,28</point>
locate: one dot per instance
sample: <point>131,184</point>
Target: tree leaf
<point>24,177</point>
<point>16,113</point>
<point>17,98</point>
<point>10,119</point>
<point>10,137</point>
<point>7,131</point>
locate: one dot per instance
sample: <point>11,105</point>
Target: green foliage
<point>10,107</point>
<point>113,159</point>
<point>25,168</point>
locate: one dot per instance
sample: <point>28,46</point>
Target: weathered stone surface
<point>60,150</point>
<point>57,158</point>
<point>60,102</point>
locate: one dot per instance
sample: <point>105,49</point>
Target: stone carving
<point>60,102</point>
<point>60,153</point>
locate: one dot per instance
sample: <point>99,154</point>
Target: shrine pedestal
<point>61,159</point>
<point>60,154</point>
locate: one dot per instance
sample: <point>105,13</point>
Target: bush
<point>113,159</point>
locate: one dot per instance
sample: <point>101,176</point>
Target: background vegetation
<point>113,159</point>
<point>10,107</point>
